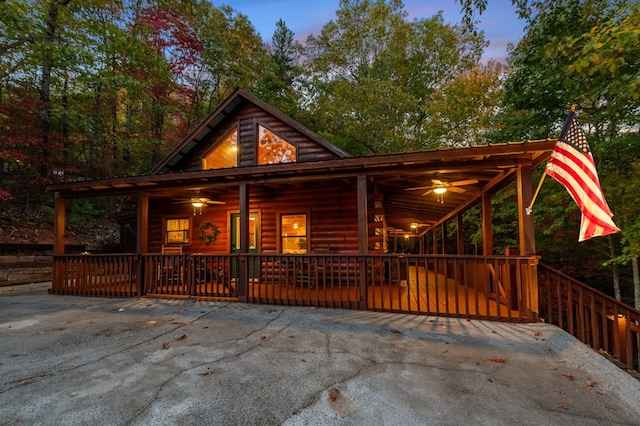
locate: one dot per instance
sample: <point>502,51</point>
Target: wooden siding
<point>331,209</point>
<point>247,118</point>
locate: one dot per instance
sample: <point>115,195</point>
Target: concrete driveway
<point>79,360</point>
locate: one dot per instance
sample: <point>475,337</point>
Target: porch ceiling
<point>493,166</point>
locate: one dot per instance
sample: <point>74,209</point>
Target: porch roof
<point>493,166</point>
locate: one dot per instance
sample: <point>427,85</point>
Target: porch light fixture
<point>439,191</point>
<point>197,205</point>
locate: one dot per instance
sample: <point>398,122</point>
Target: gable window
<point>293,233</point>
<point>272,149</point>
<point>225,154</point>
<point>176,231</point>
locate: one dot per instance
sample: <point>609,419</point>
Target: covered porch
<point>352,207</point>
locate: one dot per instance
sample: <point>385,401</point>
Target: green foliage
<point>371,74</point>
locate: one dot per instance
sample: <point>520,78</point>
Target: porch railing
<point>593,317</point>
<point>108,275</point>
<point>488,287</point>
<point>493,287</point>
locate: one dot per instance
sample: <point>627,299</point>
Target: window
<point>176,231</point>
<point>272,149</point>
<point>225,154</point>
<point>293,233</point>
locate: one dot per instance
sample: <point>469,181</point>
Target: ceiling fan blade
<point>437,182</point>
<point>464,182</point>
<point>417,187</point>
<point>456,189</point>
<point>215,202</point>
<point>428,192</point>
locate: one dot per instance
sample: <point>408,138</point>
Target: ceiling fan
<point>198,202</point>
<point>439,187</point>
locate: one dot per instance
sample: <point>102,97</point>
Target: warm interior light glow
<point>197,204</point>
<point>440,190</point>
<point>414,225</point>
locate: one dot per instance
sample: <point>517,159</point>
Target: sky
<point>499,22</point>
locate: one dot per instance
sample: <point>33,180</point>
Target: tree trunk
<point>615,273</point>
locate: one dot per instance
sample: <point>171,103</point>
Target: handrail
<point>593,317</point>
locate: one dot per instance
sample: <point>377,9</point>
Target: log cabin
<point>254,207</point>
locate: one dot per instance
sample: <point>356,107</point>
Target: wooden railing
<point>494,287</point>
<point>108,275</point>
<point>593,317</point>
<point>190,275</point>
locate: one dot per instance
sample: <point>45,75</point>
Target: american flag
<point>572,165</point>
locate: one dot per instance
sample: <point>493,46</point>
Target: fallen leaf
<point>559,391</point>
<point>395,350</point>
<point>333,394</point>
<point>393,330</point>
<point>537,334</point>
<point>207,372</point>
<point>591,384</point>
<point>184,336</point>
<point>26,382</point>
<point>496,359</point>
<point>165,345</point>
<point>263,337</point>
<point>569,376</point>
<point>563,405</point>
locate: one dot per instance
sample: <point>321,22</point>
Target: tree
<point>282,74</point>
<point>371,74</point>
<point>563,59</point>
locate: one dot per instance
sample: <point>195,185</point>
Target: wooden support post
<point>59,225</point>
<point>445,247</point>
<point>142,238</point>
<point>435,240</point>
<point>243,262</point>
<point>525,221</point>
<point>363,237</point>
<point>460,234</point>
<point>487,231</point>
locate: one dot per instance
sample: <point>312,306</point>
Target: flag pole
<point>529,209</point>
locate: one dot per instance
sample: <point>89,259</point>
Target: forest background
<point>103,88</point>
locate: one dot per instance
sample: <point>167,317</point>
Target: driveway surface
<point>80,360</point>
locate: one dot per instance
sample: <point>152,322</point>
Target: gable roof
<point>226,108</point>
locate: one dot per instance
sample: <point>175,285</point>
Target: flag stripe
<point>567,157</point>
<point>587,189</point>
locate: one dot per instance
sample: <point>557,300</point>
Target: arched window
<point>225,154</point>
<point>272,149</point>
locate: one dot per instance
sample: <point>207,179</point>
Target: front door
<point>253,239</point>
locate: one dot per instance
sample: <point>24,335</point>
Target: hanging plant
<point>208,232</point>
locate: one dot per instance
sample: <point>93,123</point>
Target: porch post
<point>435,240</point>
<point>460,233</point>
<point>59,224</point>
<point>527,242</point>
<point>142,238</point>
<point>363,243</point>
<point>243,264</point>
<point>487,231</point>
<point>526,227</point>
<point>444,238</point>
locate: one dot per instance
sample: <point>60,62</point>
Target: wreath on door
<point>208,232</point>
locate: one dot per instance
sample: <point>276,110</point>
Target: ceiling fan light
<point>440,190</point>
<point>197,204</point>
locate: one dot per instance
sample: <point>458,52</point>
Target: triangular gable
<point>237,100</point>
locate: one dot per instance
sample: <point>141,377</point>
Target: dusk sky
<point>499,22</point>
